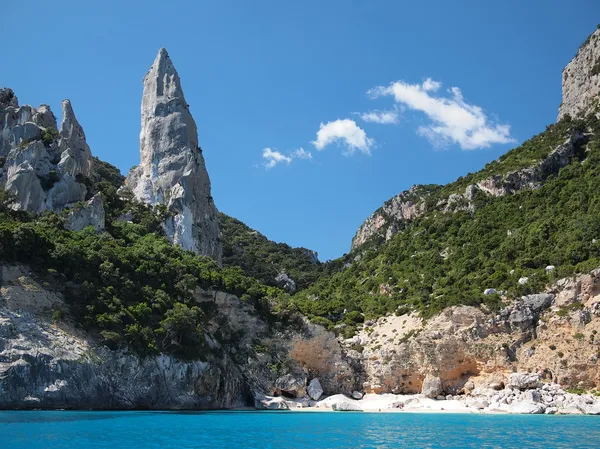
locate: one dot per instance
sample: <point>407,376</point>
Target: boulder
<point>432,386</point>
<point>315,391</point>
<point>489,291</point>
<point>524,280</point>
<point>291,386</point>
<point>524,381</point>
<point>346,407</point>
<point>357,394</point>
<point>529,408</point>
<point>538,302</point>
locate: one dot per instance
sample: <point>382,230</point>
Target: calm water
<point>132,430</point>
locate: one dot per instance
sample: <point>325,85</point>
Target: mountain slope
<point>269,262</point>
<point>502,238</point>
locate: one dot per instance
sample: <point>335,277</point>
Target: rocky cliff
<point>43,168</point>
<point>581,80</point>
<point>172,169</point>
<point>552,334</point>
<point>46,361</point>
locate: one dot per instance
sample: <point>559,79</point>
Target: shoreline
<point>548,399</point>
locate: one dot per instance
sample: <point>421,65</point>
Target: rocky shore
<point>524,394</point>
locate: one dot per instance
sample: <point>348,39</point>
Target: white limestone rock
<point>529,408</point>
<point>172,169</point>
<point>346,407</point>
<point>43,175</point>
<point>581,80</point>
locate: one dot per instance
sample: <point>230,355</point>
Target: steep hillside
<point>271,263</point>
<point>510,232</point>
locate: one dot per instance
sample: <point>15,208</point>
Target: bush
<point>48,135</point>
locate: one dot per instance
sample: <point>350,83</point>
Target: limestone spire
<point>172,169</point>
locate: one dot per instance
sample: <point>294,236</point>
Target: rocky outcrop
<point>532,177</point>
<point>89,214</point>
<point>405,206</point>
<point>172,169</point>
<point>581,80</point>
<point>285,282</point>
<point>43,168</point>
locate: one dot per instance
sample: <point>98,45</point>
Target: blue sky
<point>264,77</point>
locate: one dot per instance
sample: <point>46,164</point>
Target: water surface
<point>265,430</point>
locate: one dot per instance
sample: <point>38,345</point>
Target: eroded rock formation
<point>172,169</point>
<point>43,168</point>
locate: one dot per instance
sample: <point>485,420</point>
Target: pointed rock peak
<point>69,126</point>
<point>162,80</point>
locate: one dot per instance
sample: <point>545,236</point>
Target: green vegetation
<point>48,135</point>
<point>264,259</point>
<point>444,259</point>
<point>129,285</point>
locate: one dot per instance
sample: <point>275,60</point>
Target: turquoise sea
<point>264,430</point>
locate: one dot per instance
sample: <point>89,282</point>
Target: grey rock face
<point>538,302</point>
<point>405,206</point>
<point>42,175</point>
<point>43,367</point>
<point>172,169</point>
<point>581,80</point>
<point>315,391</point>
<point>92,214</point>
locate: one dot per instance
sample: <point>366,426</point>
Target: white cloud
<point>346,131</point>
<point>301,153</point>
<point>274,157</point>
<point>383,117</point>
<point>452,119</point>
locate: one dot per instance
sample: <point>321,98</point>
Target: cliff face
<point>172,169</point>
<point>581,80</point>
<point>46,361</point>
<point>552,333</point>
<point>43,168</point>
